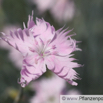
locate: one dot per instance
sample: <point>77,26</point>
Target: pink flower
<point>42,46</point>
<point>43,6</point>
<point>47,90</point>
<point>66,9</point>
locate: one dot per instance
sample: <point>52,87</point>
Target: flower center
<point>43,49</point>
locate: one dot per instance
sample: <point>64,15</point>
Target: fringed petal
<point>31,70</point>
<point>20,40</point>
<point>63,67</point>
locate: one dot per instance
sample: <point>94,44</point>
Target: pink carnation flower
<point>41,45</point>
<point>42,5</point>
<point>47,90</point>
<point>66,9</point>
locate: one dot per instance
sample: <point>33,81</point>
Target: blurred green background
<point>88,25</point>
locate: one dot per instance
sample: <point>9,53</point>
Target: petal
<point>20,40</point>
<point>30,23</point>
<point>26,77</point>
<point>63,67</point>
<point>44,29</point>
<point>63,45</point>
<point>32,70</point>
<point>50,63</point>
<point>35,67</point>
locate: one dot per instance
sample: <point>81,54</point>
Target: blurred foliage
<point>88,25</point>
<point>13,10</point>
<point>8,74</point>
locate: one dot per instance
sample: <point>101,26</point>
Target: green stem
<point>19,96</point>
